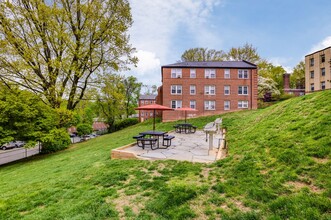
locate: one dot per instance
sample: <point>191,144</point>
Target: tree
<point>132,90</point>
<point>267,86</point>
<point>110,101</point>
<point>246,52</point>
<point>149,89</point>
<point>298,76</point>
<point>203,54</point>
<point>54,48</point>
<point>268,70</point>
<point>83,129</point>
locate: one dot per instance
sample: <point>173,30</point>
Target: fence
<point>7,156</point>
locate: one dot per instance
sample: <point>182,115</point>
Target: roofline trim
<point>318,51</point>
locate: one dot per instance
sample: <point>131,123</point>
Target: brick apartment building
<point>146,100</point>
<point>318,70</point>
<point>209,87</point>
<point>298,91</point>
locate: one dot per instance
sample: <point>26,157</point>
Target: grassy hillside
<point>278,168</point>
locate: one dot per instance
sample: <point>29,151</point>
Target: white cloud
<point>280,61</point>
<point>147,62</point>
<point>326,42</point>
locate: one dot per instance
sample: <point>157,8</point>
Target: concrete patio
<point>184,147</point>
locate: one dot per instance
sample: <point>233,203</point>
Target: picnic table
<point>185,128</point>
<point>152,138</point>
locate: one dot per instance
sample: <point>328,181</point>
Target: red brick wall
<point>200,81</point>
<point>146,113</point>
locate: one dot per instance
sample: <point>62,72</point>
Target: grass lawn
<point>278,168</point>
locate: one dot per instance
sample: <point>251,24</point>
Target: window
<point>146,114</point>
<point>142,114</point>
<point>242,90</point>
<point>193,73</point>
<point>322,58</point>
<point>176,89</point>
<point>322,71</point>
<point>209,105</point>
<point>311,61</point>
<point>151,102</point>
<point>226,105</point>
<point>146,102</point>
<point>312,74</point>
<point>323,85</point>
<point>243,74</point>
<point>192,90</point>
<point>226,90</point>
<point>176,103</point>
<point>210,73</point>
<point>242,104</point>
<point>226,74</point>
<point>312,87</point>
<point>176,73</point>
<point>209,90</point>
<point>192,104</point>
<point>151,114</point>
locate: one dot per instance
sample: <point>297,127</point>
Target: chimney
<point>286,81</point>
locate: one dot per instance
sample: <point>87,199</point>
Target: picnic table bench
<point>185,128</point>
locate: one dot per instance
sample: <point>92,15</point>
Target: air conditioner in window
<point>207,93</point>
<point>179,77</point>
<point>207,77</point>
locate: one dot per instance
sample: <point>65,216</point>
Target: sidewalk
<point>184,147</point>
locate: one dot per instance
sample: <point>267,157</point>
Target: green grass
<point>278,168</point>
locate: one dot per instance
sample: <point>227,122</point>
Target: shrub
<point>55,140</point>
<point>83,129</point>
<point>124,123</point>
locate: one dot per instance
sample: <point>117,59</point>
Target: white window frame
<point>227,74</point>
<point>241,90</point>
<point>210,73</point>
<point>243,74</point>
<point>193,104</point>
<point>210,90</point>
<point>176,103</point>
<point>193,73</point>
<point>322,84</point>
<point>227,105</point>
<point>312,87</point>
<point>210,105</point>
<point>176,73</point>
<point>227,90</point>
<point>243,104</point>
<point>193,90</point>
<point>176,89</point>
<point>323,71</point>
<point>312,74</point>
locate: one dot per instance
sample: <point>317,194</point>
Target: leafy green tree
<point>111,99</point>
<point>55,48</point>
<point>132,90</point>
<point>57,139</point>
<point>269,71</point>
<point>298,76</point>
<point>267,85</point>
<point>246,52</point>
<point>83,129</point>
<point>23,116</point>
<point>203,54</point>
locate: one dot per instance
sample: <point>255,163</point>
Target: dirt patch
<point>321,160</point>
<point>205,172</point>
<point>125,201</point>
<point>241,206</point>
<point>297,185</point>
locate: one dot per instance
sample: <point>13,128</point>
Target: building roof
<point>213,64</point>
<point>152,97</point>
<point>318,51</point>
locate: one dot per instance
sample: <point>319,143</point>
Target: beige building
<point>318,70</point>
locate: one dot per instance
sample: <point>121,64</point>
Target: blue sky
<point>283,31</point>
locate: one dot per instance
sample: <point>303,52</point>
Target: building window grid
<point>227,105</point>
<point>210,73</point>
<point>176,89</point>
<point>322,58</point>
<point>176,104</point>
<point>323,85</point>
<point>192,89</point>
<point>243,74</point>
<point>210,90</point>
<point>242,104</point>
<point>312,74</point>
<point>193,73</point>
<point>210,105</point>
<point>322,71</point>
<point>226,74</point>
<point>312,87</point>
<point>311,61</point>
<point>226,90</point>
<point>242,90</point>
<point>176,73</point>
<point>193,104</point>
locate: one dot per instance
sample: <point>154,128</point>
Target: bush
<point>83,129</point>
<point>124,124</point>
<point>55,140</point>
